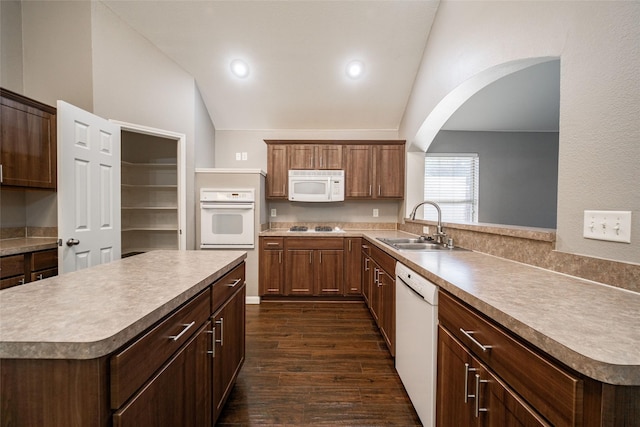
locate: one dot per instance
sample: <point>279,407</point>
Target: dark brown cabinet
<point>27,142</point>
<point>472,395</point>
<point>314,266</point>
<point>278,171</point>
<point>507,382</point>
<point>374,171</point>
<point>228,335</point>
<point>352,265</point>
<point>312,156</point>
<point>366,273</point>
<point>379,270</point>
<point>173,397</point>
<point>28,267</point>
<point>271,266</point>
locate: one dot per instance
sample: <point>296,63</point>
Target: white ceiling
<point>297,51</point>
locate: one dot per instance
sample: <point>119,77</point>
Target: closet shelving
<point>149,205</point>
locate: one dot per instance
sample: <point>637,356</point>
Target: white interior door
<point>88,189</point>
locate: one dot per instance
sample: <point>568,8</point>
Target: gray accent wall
<point>518,174</point>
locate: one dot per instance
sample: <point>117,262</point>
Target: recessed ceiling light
<point>239,68</point>
<point>355,69</point>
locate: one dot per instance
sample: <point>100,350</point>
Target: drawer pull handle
<point>186,328</point>
<point>273,244</point>
<point>467,369</point>
<point>469,334</point>
<point>478,408</point>
<point>235,282</point>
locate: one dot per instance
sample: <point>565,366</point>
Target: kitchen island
<point>106,345</point>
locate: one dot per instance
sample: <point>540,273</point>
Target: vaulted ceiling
<point>297,52</point>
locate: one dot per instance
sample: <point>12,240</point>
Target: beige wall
<point>11,45</point>
<point>597,43</point>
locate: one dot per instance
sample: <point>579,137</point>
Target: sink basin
<point>416,244</point>
<point>419,246</point>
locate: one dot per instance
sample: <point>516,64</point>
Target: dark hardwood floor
<point>311,363</point>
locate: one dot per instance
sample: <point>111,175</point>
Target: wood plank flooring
<point>316,363</point>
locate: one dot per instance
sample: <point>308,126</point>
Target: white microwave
<point>316,185</point>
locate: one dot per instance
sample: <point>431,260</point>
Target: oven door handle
<point>244,206</point>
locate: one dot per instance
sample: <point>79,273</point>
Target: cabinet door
<point>366,279</point>
<point>173,397</point>
<point>389,171</point>
<point>278,167</point>
<point>271,272</point>
<point>329,156</point>
<point>454,405</point>
<point>229,336</point>
<point>352,268</point>
<point>27,142</point>
<point>358,169</point>
<point>329,272</point>
<point>301,156</point>
<point>299,272</point>
<point>387,313</point>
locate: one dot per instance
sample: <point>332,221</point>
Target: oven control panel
<point>227,195</point>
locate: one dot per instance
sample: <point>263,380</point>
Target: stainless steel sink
<point>418,244</point>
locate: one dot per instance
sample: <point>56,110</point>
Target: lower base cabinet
<point>188,376</point>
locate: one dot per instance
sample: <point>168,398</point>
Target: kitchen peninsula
<point>114,342</point>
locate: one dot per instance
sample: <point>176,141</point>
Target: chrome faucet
<point>439,234</point>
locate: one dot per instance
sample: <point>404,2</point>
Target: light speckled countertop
<point>90,313</point>
<point>590,327</point>
<point>26,244</point>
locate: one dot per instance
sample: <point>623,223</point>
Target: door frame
<point>181,140</point>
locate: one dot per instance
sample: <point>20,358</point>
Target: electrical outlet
<point>614,226</point>
<point>375,213</point>
<point>244,155</point>
<point>238,156</point>
<point>425,229</point>
<point>274,212</point>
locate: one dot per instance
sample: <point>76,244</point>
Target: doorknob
<point>72,242</point>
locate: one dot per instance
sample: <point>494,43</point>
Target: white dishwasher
<point>416,340</point>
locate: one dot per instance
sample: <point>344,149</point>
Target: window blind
<point>451,180</point>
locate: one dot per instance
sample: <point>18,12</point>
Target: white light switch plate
<point>614,226</point>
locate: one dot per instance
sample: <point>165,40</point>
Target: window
<point>451,180</point>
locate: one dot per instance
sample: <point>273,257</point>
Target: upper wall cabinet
<point>311,156</point>
<point>373,169</point>
<point>27,142</point>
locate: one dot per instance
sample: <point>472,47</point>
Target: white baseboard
<point>252,300</point>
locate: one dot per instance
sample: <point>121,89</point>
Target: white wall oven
<point>227,218</point>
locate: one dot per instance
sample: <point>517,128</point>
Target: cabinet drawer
<point>43,274</point>
<point>226,286</point>
<point>134,365</point>
<point>272,243</point>
<point>12,281</point>
<point>11,265</point>
<point>551,390</point>
<point>314,243</point>
<point>44,259</point>
<point>384,260</point>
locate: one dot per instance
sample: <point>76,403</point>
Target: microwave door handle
<point>225,206</point>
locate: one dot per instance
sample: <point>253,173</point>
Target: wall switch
<point>614,226</point>
<point>375,213</point>
<point>238,156</point>
<point>244,155</point>
<point>274,212</point>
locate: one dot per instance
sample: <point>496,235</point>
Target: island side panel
<point>52,393</point>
